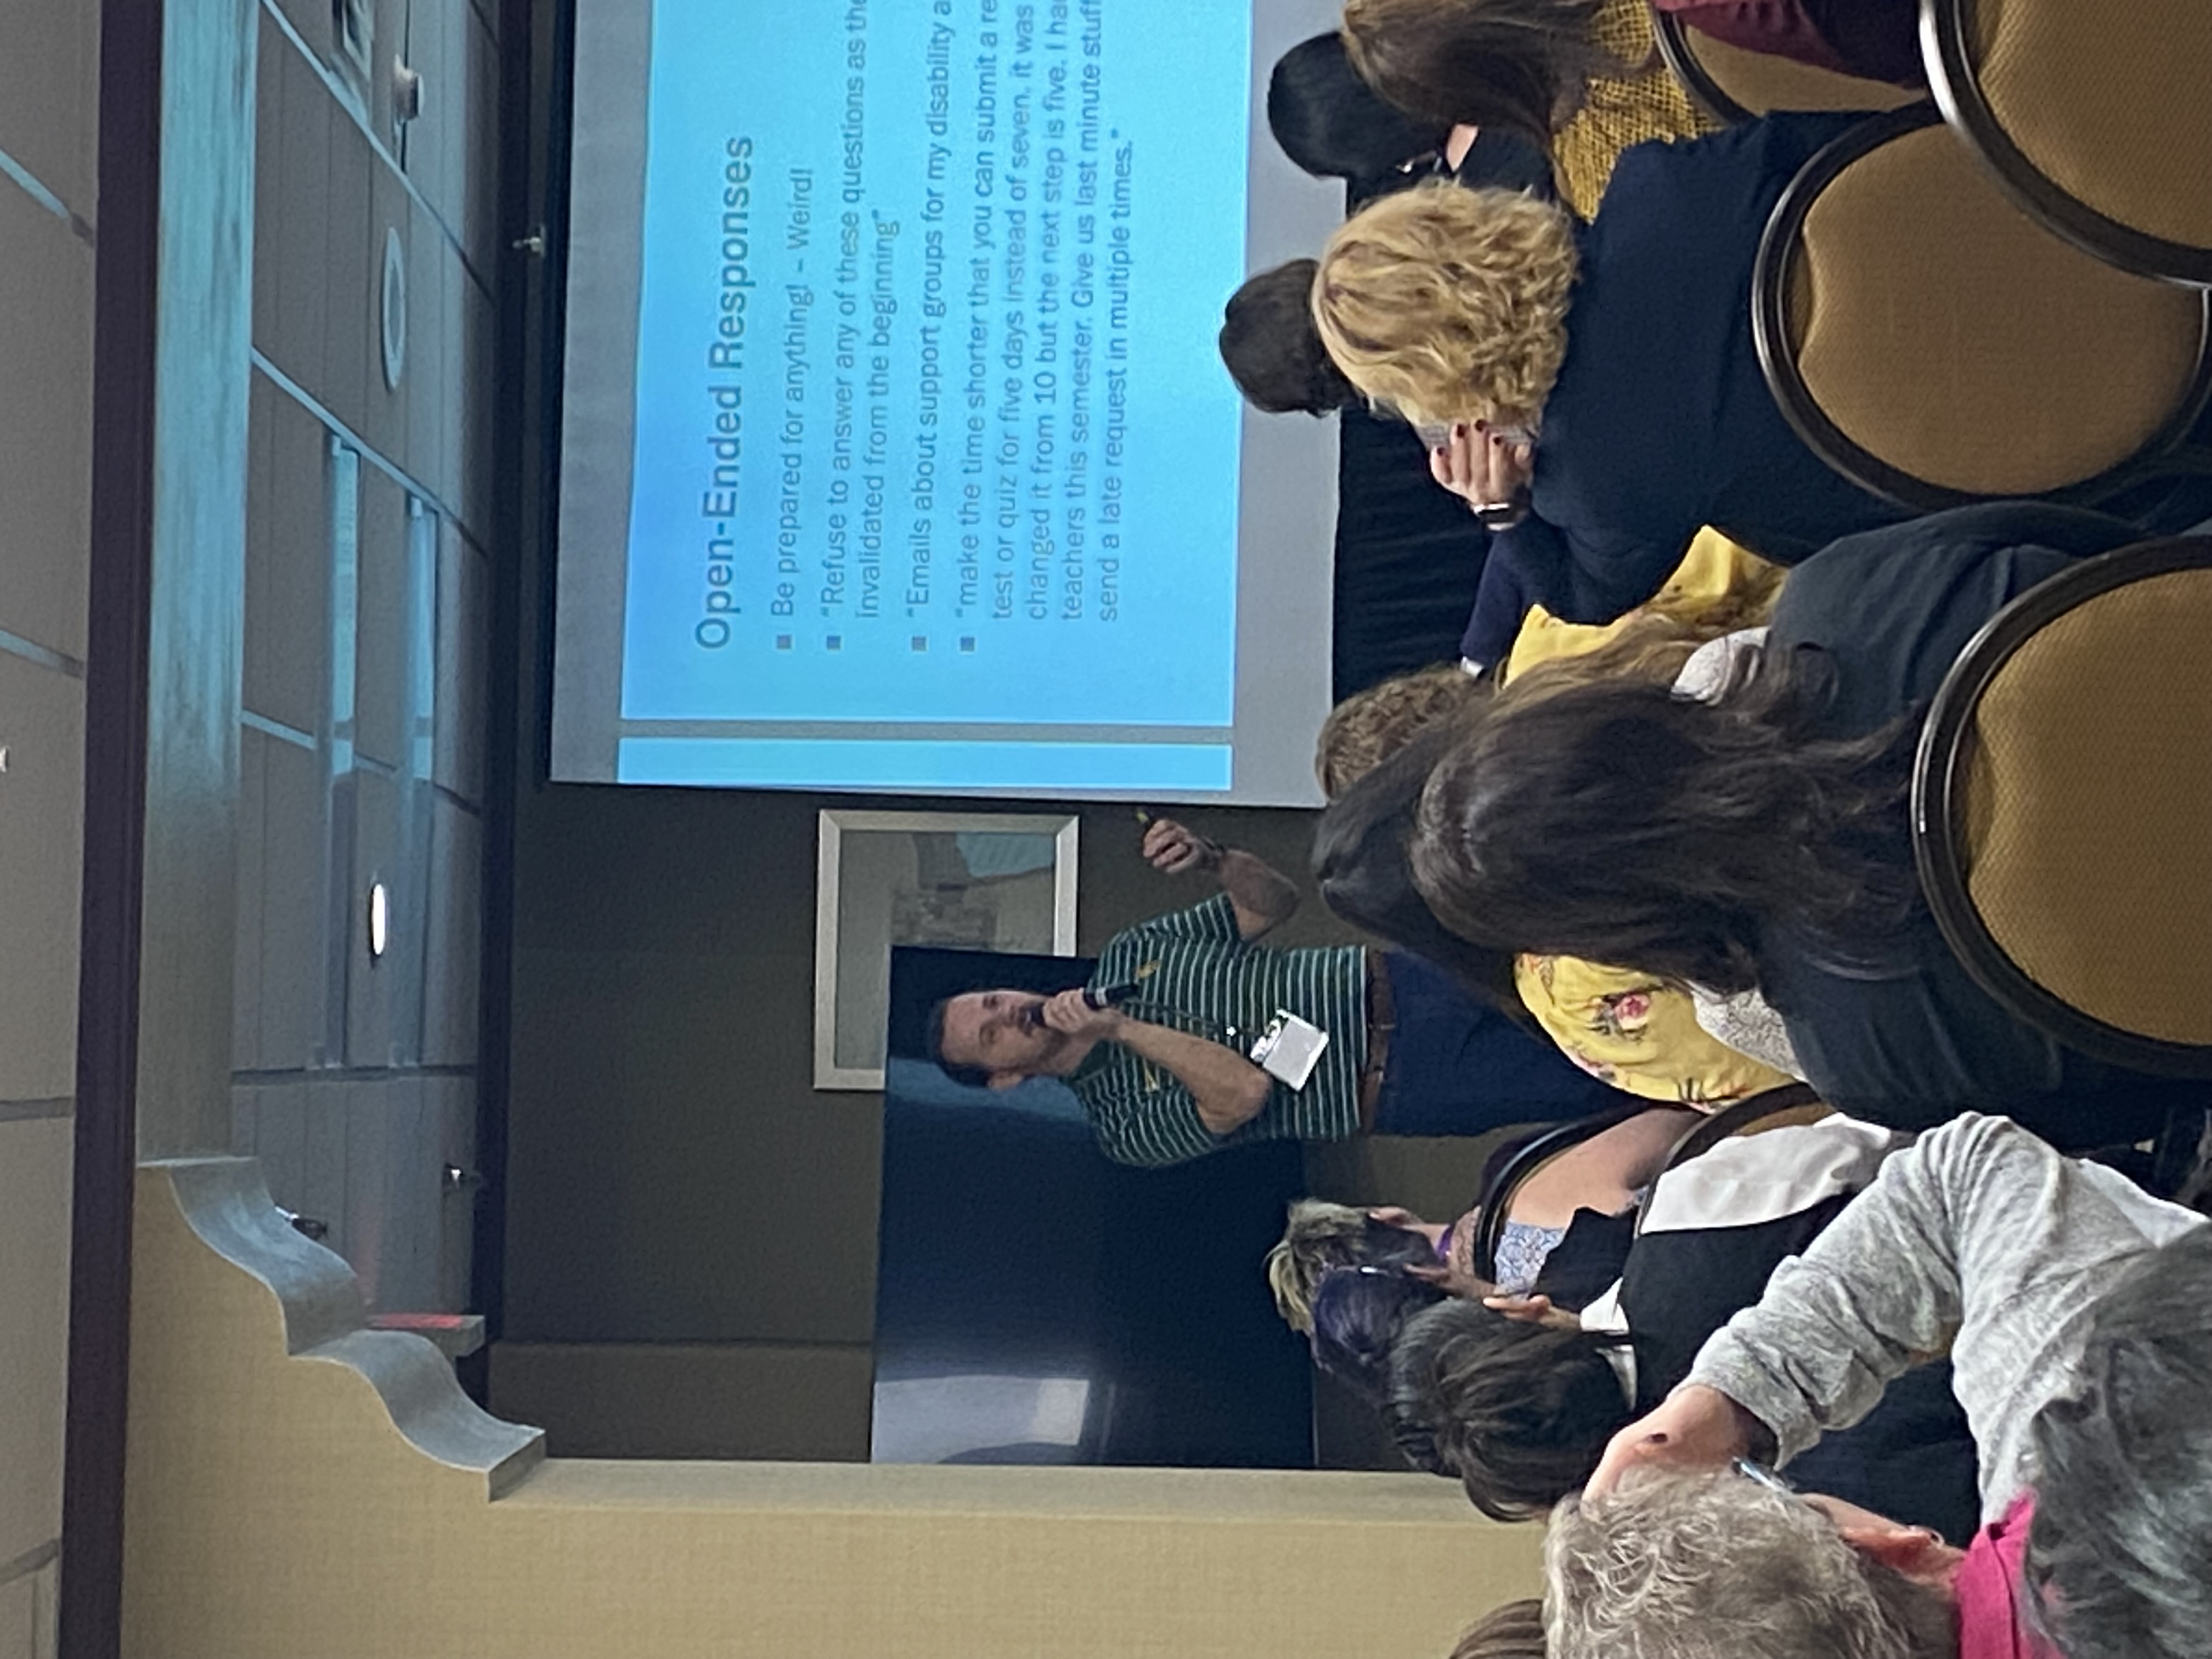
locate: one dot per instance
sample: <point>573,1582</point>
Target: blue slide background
<point>777,77</point>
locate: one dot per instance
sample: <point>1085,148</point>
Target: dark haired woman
<point>1579,77</point>
<point>1761,842</point>
<point>1522,61</point>
<point>1331,123</point>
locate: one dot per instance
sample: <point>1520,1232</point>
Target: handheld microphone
<point>1110,996</point>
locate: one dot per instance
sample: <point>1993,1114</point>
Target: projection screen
<point>896,452</point>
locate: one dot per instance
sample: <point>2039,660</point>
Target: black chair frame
<point>2159,456</point>
<point>1671,35</point>
<point>1938,781</point>
<point>1947,32</point>
<point>1498,1191</point>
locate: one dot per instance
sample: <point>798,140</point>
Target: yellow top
<point>1626,1027</point>
<point>1635,1033</point>
<point>1649,104</point>
<point>1715,570</point>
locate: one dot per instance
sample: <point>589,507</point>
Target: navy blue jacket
<point>1661,421</point>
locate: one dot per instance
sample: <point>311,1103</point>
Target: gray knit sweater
<point>1979,1230</point>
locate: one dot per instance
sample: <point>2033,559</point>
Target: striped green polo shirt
<point>1196,975</point>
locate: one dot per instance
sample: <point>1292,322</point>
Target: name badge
<point>1289,1049</point>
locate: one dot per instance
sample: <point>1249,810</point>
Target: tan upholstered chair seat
<point>2110,101</point>
<point>1948,335</point>
<point>2087,807</point>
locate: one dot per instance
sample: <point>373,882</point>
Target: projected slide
<point>896,453</point>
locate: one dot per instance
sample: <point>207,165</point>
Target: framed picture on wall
<point>973,881</point>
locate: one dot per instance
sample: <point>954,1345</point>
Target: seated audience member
<point>1330,122</point>
<point>1327,122</point>
<point>2074,1310</point>
<point>1873,40</point>
<point>1518,1399</point>
<point>1361,865</point>
<point>1604,378</point>
<point>1167,1076</point>
<point>1366,728</point>
<point>1579,77</point>
<point>1503,602</point>
<point>1761,843</point>
<point>1580,1192</point>
<point>1633,1030</point>
<point>1272,350</point>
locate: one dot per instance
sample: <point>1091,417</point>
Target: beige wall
<point>708,1400</point>
<point>49,210</point>
<point>277,1509</point>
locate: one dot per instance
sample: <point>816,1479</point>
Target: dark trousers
<point>1455,1066</point>
<point>1879,39</point>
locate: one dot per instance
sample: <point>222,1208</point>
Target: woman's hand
<point>1451,1280</point>
<point>1481,467</point>
<point>1695,1427</point>
<point>1533,1311</point>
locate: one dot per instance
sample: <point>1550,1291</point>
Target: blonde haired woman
<point>1602,393</point>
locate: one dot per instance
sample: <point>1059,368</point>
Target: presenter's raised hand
<point>1175,850</point>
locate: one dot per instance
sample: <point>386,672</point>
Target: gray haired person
<point>2077,1312</point>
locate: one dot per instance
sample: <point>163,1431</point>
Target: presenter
<point>1191,1035</point>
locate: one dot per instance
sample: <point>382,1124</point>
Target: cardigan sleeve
<point>1980,1238</point>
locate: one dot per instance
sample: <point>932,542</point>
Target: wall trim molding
<point>33,188</point>
<point>275,1510</point>
<point>35,1111</point>
<point>30,1561</point>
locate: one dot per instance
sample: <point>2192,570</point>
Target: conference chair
<point>1770,1109</point>
<point>2096,119</point>
<point>1735,85</point>
<point>2062,807</point>
<point>1936,346</point>
<point>1496,1198</point>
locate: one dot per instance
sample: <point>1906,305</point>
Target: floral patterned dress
<point>1635,1033</point>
